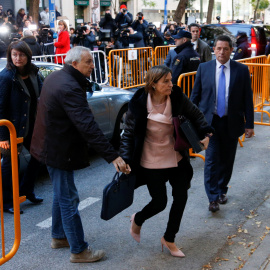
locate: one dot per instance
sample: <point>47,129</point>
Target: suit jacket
<point>240,100</point>
<point>204,51</point>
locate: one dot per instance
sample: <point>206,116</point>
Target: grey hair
<point>27,33</point>
<point>75,54</point>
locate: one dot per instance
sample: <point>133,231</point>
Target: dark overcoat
<point>15,100</point>
<point>65,124</point>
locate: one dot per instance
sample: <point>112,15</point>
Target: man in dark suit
<point>199,45</point>
<point>222,91</point>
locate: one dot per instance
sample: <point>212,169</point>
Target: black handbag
<point>186,135</point>
<point>118,195</point>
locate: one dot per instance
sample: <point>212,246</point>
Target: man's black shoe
<point>11,211</point>
<point>223,199</point>
<point>34,199</point>
<point>213,207</point>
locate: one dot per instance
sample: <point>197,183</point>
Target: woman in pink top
<point>147,145</point>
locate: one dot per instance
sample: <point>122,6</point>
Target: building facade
<point>78,11</point>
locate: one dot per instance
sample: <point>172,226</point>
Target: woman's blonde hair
<point>154,75</point>
<point>64,23</point>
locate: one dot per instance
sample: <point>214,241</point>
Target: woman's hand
<point>205,142</point>
<point>5,144</point>
<point>120,165</point>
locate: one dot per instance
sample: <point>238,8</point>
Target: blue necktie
<point>221,100</point>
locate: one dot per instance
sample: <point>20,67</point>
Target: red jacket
<point>62,46</point>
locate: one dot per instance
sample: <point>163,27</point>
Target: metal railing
<point>161,53</point>
<point>100,73</point>
<point>128,67</point>
<point>16,199</point>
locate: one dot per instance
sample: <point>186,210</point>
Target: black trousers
<point>179,178</point>
<point>219,159</point>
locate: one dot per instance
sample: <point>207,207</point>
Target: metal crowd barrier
<point>100,73</point>
<point>128,67</point>
<point>259,74</point>
<point>261,59</point>
<point>16,199</point>
<point>161,53</point>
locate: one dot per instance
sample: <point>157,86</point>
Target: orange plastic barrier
<point>128,67</point>
<point>161,53</point>
<point>16,199</point>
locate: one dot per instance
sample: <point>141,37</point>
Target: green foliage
<point>149,3</point>
<point>190,3</point>
<point>263,4</point>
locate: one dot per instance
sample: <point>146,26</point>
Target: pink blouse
<point>158,149</point>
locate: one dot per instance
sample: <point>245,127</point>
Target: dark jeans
<point>66,220</point>
<point>179,178</point>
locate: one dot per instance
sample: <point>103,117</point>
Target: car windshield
<point>234,29</point>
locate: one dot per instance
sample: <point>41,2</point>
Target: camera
<point>150,34</point>
<point>124,29</point>
<point>139,18</point>
<point>44,33</point>
<point>124,10</point>
<point>105,35</point>
<point>80,30</point>
<point>14,36</point>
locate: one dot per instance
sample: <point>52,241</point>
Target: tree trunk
<point>232,10</point>
<point>210,11</point>
<point>180,11</point>
<point>255,10</point>
<point>34,10</point>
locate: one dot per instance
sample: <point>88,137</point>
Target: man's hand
<point>205,142</point>
<point>249,132</point>
<point>5,144</point>
<point>120,165</point>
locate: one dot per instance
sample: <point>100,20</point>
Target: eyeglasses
<point>18,55</point>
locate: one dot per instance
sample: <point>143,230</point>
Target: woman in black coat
<point>20,87</point>
<point>147,146</point>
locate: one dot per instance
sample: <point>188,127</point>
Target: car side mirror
<point>95,86</point>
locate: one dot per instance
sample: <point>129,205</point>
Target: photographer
<point>31,41</point>
<point>153,36</point>
<point>131,39</point>
<point>140,24</point>
<point>168,40</point>
<point>123,17</point>
<point>89,37</point>
<point>108,22</point>
<point>45,39</point>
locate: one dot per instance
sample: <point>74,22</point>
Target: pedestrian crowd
<point>59,127</point>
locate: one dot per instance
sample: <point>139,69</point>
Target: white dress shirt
<point>195,44</point>
<point>227,77</point>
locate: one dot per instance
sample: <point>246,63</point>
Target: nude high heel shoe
<point>137,237</point>
<point>178,253</point>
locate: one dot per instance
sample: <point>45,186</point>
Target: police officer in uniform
<point>242,50</point>
<point>186,60</point>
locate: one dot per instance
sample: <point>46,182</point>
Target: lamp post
<point>201,14</point>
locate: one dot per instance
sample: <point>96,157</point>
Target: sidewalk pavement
<point>260,259</point>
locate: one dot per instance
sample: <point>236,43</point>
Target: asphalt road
<point>222,240</point>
